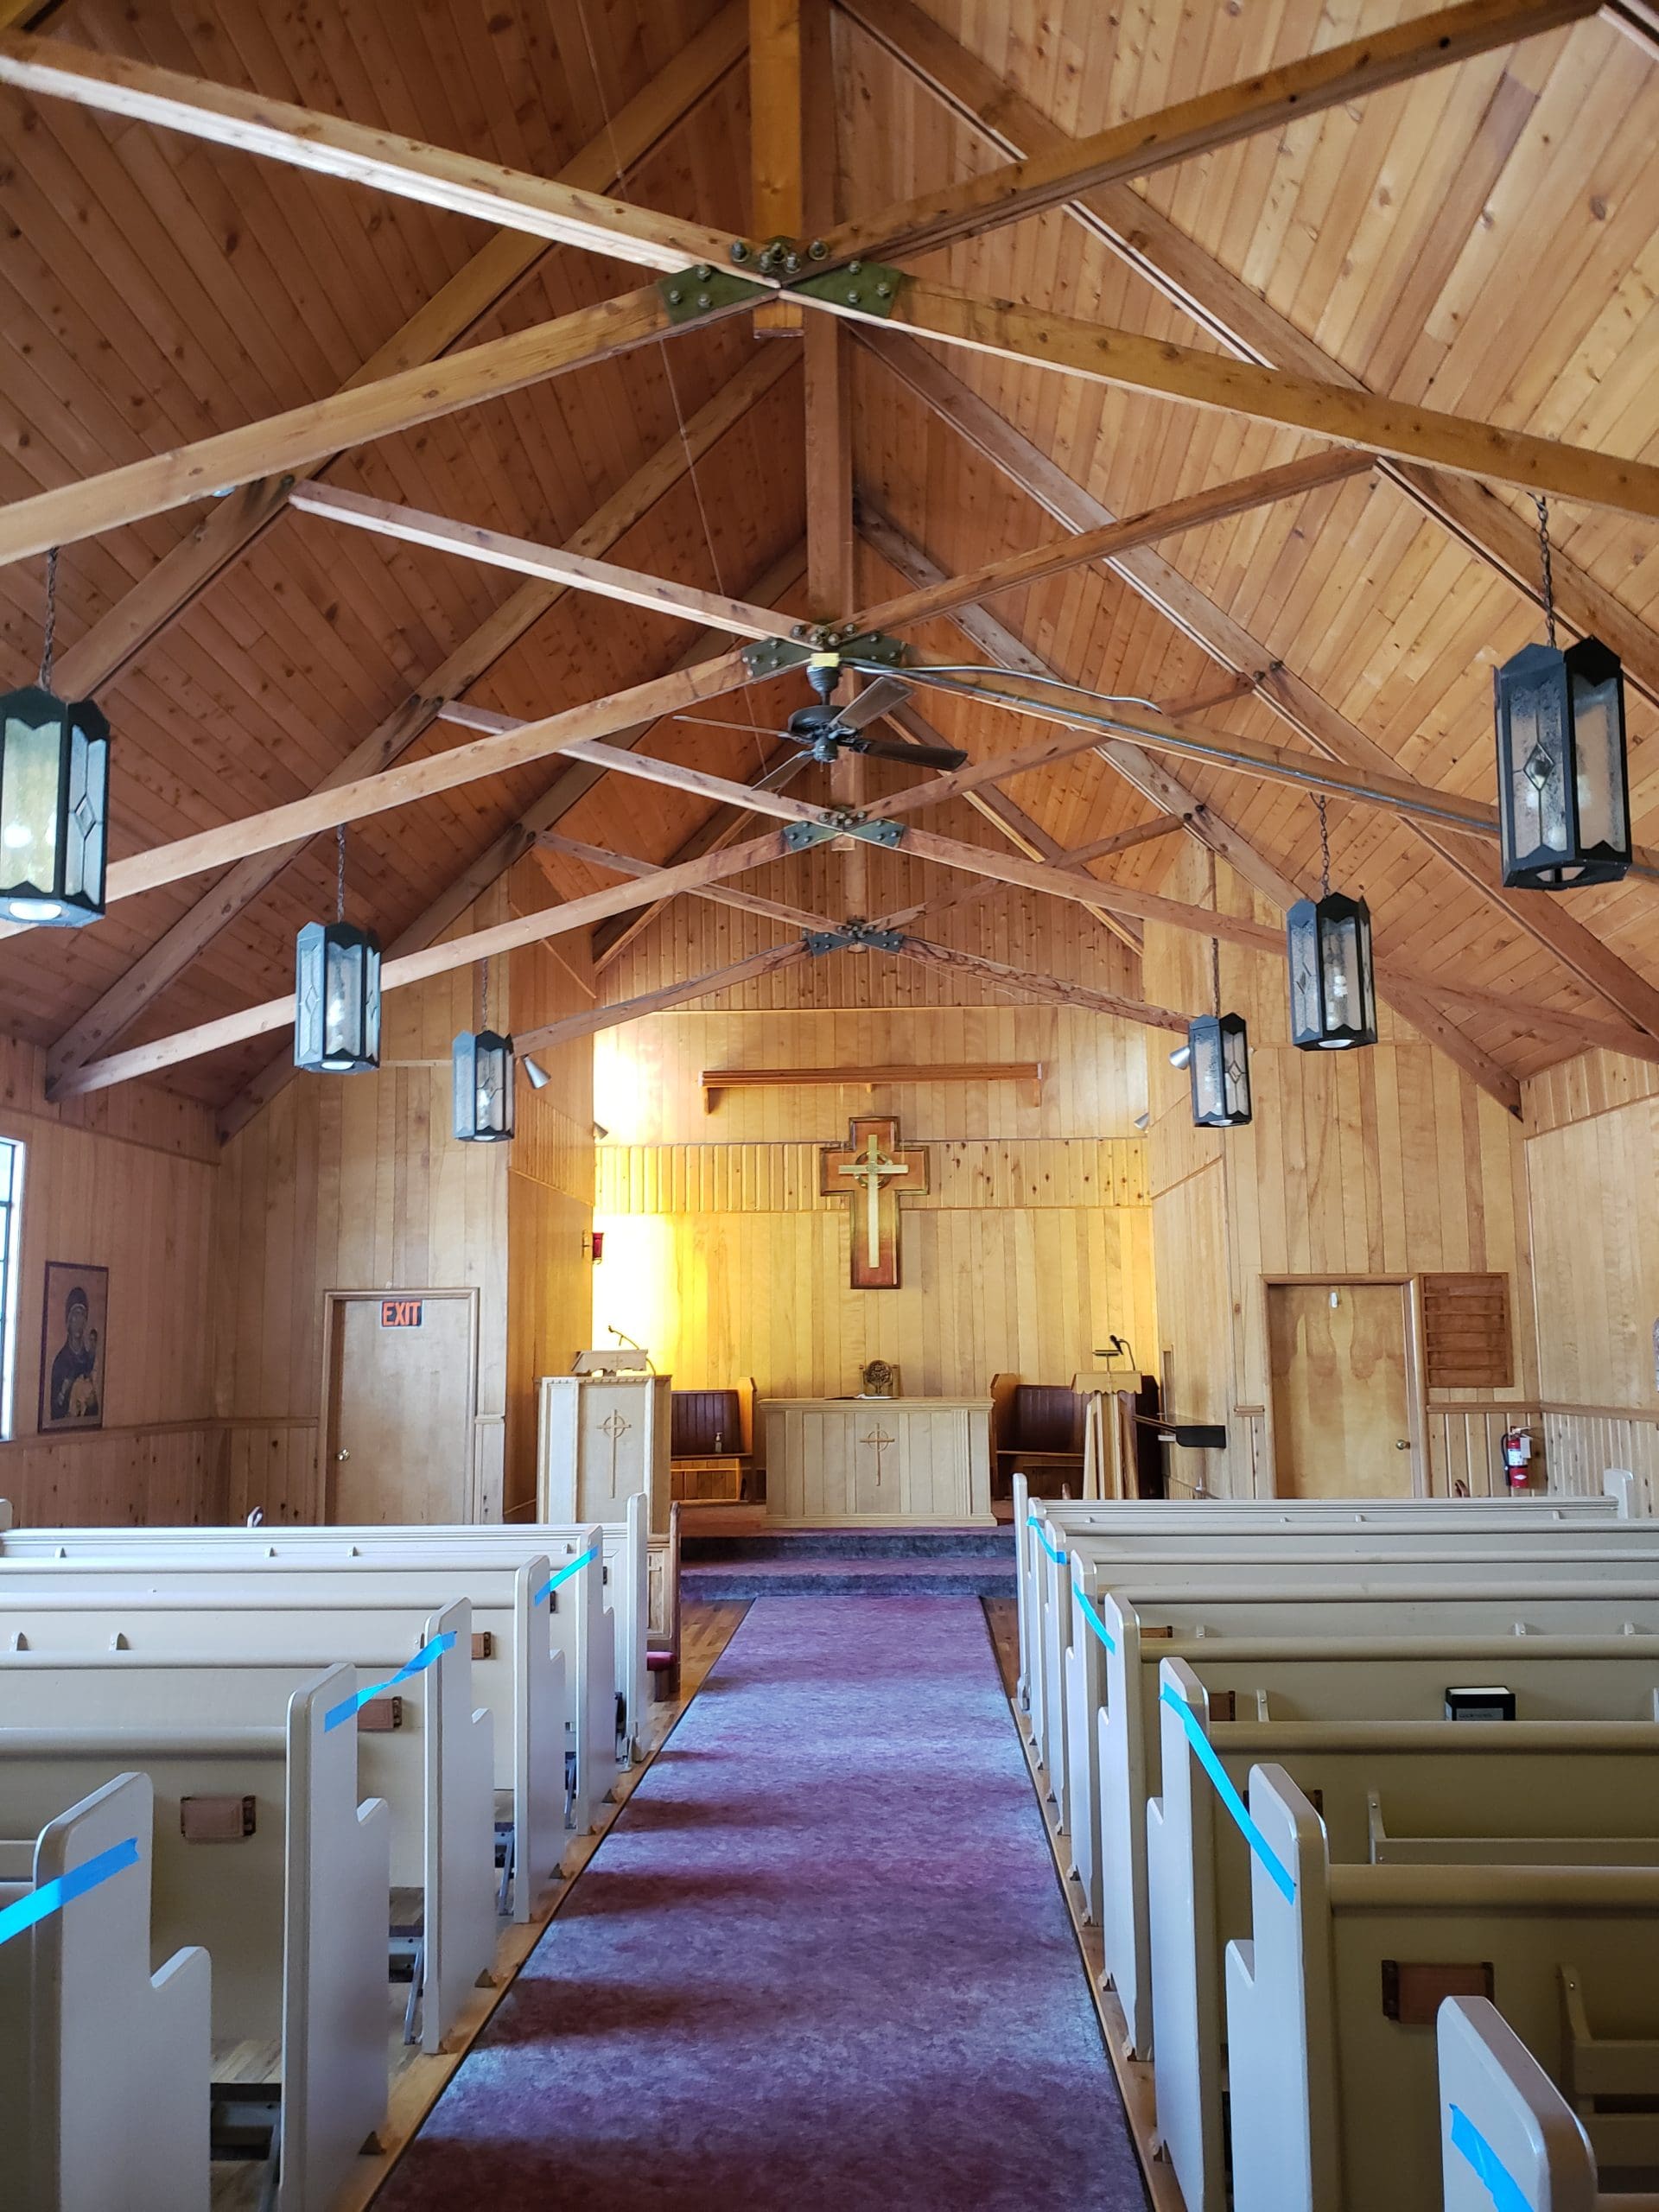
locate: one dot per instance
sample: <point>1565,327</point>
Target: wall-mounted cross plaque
<point>873,1170</point>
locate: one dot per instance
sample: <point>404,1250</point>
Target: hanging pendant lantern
<point>54,776</point>
<point>1219,1071</point>
<point>337,992</point>
<point>1563,787</point>
<point>1332,983</point>
<point>483,1063</point>
<point>1219,1053</point>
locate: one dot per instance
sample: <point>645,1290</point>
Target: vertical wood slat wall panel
<point>1389,1161</point>
<point>1033,1244</point>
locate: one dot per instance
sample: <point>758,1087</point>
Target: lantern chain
<point>1542,505</point>
<point>1215,943</point>
<point>49,640</point>
<point>1324,848</point>
<point>339,872</point>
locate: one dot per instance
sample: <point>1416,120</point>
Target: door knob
<point>1400,1444</point>
<point>342,1455</point>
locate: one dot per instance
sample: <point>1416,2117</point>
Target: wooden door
<point>1340,1420</point>
<point>397,1440</point>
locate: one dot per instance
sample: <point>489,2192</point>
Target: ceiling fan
<point>826,731</point>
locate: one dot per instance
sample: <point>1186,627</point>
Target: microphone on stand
<point>633,1343</point>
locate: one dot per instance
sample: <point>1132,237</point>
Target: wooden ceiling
<point>1481,240</point>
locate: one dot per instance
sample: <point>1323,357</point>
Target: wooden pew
<point>1333,2104</point>
<point>1284,1642</point>
<point>514,1672</point>
<point>293,1916</point>
<point>103,2065</point>
<point>1443,1550</point>
<point>1062,1521</point>
<point>1405,1789</point>
<point>632,1567</point>
<point>1503,2118</point>
<point>576,1622</point>
<point>433,1769</point>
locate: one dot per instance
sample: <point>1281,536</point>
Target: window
<point>11,1253</point>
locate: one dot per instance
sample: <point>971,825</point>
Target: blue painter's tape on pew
<point>1500,2184</point>
<point>52,1897</point>
<point>1058,1558</point>
<point>565,1572</point>
<point>350,1707</point>
<point>1093,1617</point>
<point>1283,1879</point>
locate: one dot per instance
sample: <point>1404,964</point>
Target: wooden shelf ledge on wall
<point>716,1080</point>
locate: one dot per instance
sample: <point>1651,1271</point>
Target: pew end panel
<point>1500,2115</point>
<point>1280,2016</point>
<point>103,2065</point>
<point>458,1835</point>
<point>338,1880</point>
<point>1185,1965</point>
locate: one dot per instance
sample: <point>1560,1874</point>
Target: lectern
<point>603,1436</point>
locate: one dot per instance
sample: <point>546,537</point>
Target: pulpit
<point>601,1438</point>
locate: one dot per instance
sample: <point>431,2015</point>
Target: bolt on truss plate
<point>870,286</point>
<point>690,294</point>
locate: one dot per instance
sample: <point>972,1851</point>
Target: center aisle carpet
<point>822,1961</point>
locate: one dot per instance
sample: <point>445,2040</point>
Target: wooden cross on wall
<point>873,1170</point>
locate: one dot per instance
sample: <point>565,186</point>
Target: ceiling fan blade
<point>877,699</point>
<point>918,756</point>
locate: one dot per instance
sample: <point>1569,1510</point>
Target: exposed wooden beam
<point>553,564</point>
<point>712,834</point>
<point>475,291</point>
<point>716,894</point>
<point>1394,794</point>
<point>1239,318</point>
<point>1037,338</point>
<point>1027,836</point>
<point>384,160</point>
<point>1268,101</point>
<point>777,108</point>
<point>242,883</point>
<point>619,1011</point>
<point>567,790</point>
<point>1256,937</point>
<point>757,797</point>
<point>1192,611</point>
<point>323,427</point>
<point>1020,571</point>
<point>399,974</point>
<point>1157,782</point>
<point>1143,833</point>
<point>443,772</point>
<point>1056,989</point>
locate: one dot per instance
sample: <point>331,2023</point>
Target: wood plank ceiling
<point>1483,240</point>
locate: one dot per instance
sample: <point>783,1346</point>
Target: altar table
<point>857,1462</point>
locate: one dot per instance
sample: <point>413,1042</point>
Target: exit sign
<point>400,1313</point>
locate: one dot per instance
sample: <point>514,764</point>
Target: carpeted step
<point>996,1544</point>
<point>942,1575</point>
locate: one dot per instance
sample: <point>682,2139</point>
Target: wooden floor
<point>416,2078</point>
<point>1133,2077</point>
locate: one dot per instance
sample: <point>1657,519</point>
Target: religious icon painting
<point>73,1335</point>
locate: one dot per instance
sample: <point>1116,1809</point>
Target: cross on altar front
<point>873,1170</point>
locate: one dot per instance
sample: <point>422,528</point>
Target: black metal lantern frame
<point>1563,778</point>
<point>1218,1069</point>
<point>1333,980</point>
<point>337,990</point>
<point>54,782</point>
<point>1219,1053</point>
<point>483,1062</point>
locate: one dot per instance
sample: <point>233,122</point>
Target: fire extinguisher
<point>1518,1457</point>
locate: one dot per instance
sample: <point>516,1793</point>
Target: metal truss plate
<point>856,936</point>
<point>690,294</point>
<point>870,286</point>
<point>772,656</point>
<point>801,836</point>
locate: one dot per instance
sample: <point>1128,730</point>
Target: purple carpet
<point>821,1961</point>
